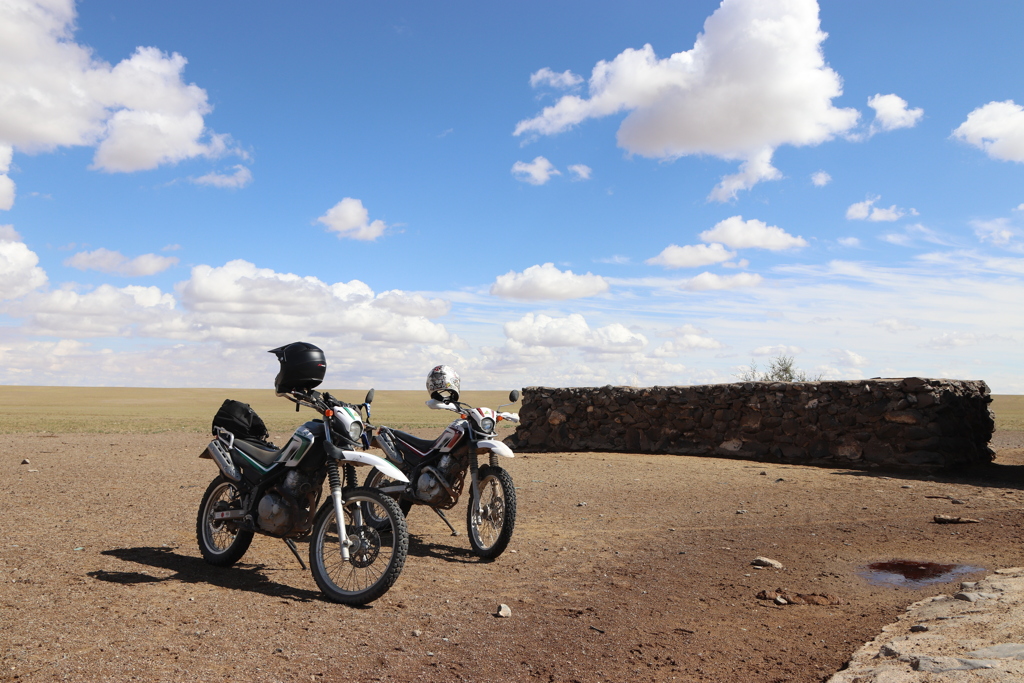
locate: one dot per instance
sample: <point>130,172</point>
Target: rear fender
<point>496,447</point>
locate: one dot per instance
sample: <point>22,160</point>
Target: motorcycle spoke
<point>375,555</point>
<point>492,520</point>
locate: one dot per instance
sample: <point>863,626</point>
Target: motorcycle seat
<point>264,453</point>
<point>412,445</point>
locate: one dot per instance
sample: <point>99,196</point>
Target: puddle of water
<point>912,574</point>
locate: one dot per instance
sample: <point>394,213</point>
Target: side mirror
<point>369,396</point>
<point>513,395</point>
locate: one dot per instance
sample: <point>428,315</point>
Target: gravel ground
<point>622,567</point>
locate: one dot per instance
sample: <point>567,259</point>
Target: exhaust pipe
<point>223,459</point>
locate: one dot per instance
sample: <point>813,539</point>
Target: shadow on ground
<point>420,548</point>
<point>994,474</point>
<point>187,569</point>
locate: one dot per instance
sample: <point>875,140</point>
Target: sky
<point>556,193</point>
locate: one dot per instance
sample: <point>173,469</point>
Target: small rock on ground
<point>766,562</point>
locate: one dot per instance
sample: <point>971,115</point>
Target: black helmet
<point>302,367</point>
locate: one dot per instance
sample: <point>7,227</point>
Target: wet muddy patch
<point>912,573</point>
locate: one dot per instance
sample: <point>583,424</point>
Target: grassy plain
<point>121,410</point>
<point>126,410</point>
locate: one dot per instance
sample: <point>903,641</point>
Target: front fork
<point>339,512</point>
<point>474,478</point>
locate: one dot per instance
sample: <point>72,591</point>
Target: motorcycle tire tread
<point>388,576</point>
<point>234,552</point>
<point>509,493</point>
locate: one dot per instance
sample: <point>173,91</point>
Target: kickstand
<point>440,513</point>
<point>295,551</point>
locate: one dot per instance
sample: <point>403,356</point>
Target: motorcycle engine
<point>288,508</point>
<point>277,513</point>
<point>431,490</point>
<point>297,484</point>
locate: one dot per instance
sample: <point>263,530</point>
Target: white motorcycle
<point>436,471</point>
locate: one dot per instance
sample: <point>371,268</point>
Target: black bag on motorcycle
<point>241,420</point>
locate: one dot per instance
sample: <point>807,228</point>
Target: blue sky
<point>538,193</point>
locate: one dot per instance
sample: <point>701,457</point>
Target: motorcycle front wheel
<point>221,542</point>
<point>490,527</point>
<point>380,542</point>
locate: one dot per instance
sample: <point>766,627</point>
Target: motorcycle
<point>275,492</point>
<point>435,471</point>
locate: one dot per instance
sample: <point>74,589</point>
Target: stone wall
<point>910,423</point>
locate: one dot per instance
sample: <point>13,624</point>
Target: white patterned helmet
<point>443,383</point>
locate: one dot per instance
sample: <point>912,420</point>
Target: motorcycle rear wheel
<point>222,543</point>
<point>376,556</point>
<point>491,530</point>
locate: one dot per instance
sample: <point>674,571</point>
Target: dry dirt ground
<point>622,567</point>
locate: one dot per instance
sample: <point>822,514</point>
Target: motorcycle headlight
<point>355,430</point>
<point>487,424</point>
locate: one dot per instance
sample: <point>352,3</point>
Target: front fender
<point>374,461</point>
<point>496,447</point>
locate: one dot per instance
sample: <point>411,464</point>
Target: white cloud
<point>104,312</point>
<point>820,179</point>
<point>617,260</point>
<point>848,241</point>
<point>891,113</point>
<point>997,128</point>
<point>240,178</point>
<point>573,331</point>
<point>740,234</point>
<point>405,303</point>
<point>240,302</point>
<point>742,263</point>
<point>114,262</point>
<point>580,171</point>
<point>688,342</point>
<point>537,172</point>
<point>997,231</point>
<point>9,234</point>
<point>848,358</point>
<point>777,350</point>
<point>757,168</point>
<point>755,79</point>
<point>546,76</point>
<point>349,218</point>
<point>7,192</point>
<point>913,233</point>
<point>711,281</point>
<point>666,350</point>
<point>6,184</point>
<point>886,215</point>
<point>691,256</point>
<point>895,325</point>
<point>690,338</point>
<point>547,282</point>
<point>19,266</point>
<point>866,210</point>
<point>138,114</point>
<point>952,340</point>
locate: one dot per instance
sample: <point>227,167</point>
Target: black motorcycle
<point>435,470</point>
<point>275,492</point>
